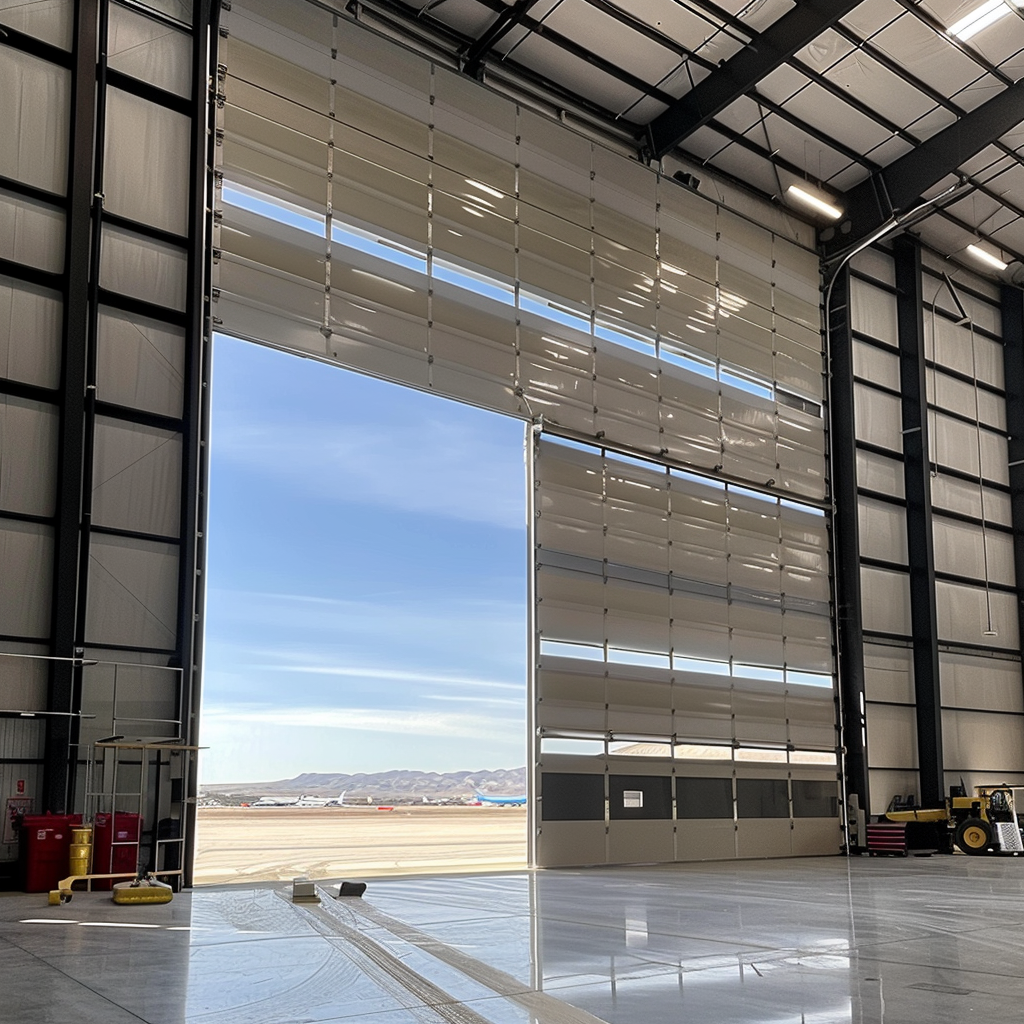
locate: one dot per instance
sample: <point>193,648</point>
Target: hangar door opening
<point>365,663</point>
<point>384,212</point>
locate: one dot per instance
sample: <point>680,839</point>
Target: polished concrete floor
<point>789,942</point>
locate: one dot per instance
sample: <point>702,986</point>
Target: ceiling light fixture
<point>986,257</point>
<point>981,17</point>
<point>814,202</point>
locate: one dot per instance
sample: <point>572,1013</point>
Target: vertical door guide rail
<point>533,648</point>
<point>920,543</point>
<point>196,409</point>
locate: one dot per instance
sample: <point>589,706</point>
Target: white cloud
<point>385,720</point>
<point>397,675</point>
<point>462,699</point>
<point>467,474</point>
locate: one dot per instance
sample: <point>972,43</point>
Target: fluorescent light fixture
<point>981,17</point>
<point>986,257</point>
<point>814,202</point>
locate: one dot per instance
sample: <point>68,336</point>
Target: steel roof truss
<point>793,31</point>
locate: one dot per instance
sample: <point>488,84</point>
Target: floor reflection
<point>827,941</point>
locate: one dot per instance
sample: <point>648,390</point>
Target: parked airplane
<point>300,801</point>
<point>501,801</point>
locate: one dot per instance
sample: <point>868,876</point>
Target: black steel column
<point>920,546</point>
<point>846,540</point>
<point>1012,302</point>
<point>195,411</point>
<point>62,729</point>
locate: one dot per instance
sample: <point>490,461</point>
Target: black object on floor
<point>351,889</point>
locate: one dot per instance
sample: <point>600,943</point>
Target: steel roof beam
<point>500,27</point>
<point>898,187</point>
<point>741,72</point>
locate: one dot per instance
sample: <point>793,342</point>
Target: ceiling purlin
<point>897,187</point>
<point>741,72</point>
<point>507,20</point>
<point>852,101</point>
<point>911,79</point>
<point>646,30</point>
<point>964,226</point>
<point>929,19</point>
<point>747,143</point>
<point>815,133</point>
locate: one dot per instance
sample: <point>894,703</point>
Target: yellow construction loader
<point>982,823</point>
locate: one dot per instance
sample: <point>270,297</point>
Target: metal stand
<point>152,779</point>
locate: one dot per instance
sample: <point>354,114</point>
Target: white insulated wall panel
<point>143,48</point>
<point>883,530</point>
<point>979,683</point>
<point>145,169</point>
<point>142,268</point>
<point>888,674</point>
<point>52,21</point>
<point>136,478</point>
<point>952,494</point>
<point>133,586</point>
<point>978,742</point>
<point>873,312</point>
<point>952,346</point>
<point>31,233</point>
<point>26,566</point>
<point>966,613</point>
<point>878,418</point>
<point>140,363</point>
<point>878,473</point>
<point>876,365</point>
<point>962,549</point>
<point>885,599</point>
<point>30,332</point>
<point>24,677</point>
<point>35,99</point>
<point>28,456</point>
<point>892,737</point>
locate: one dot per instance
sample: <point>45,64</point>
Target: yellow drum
<point>78,859</point>
<point>81,834</point>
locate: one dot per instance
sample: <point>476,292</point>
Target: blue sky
<point>366,587</point>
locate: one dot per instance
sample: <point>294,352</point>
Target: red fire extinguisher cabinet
<point>44,847</point>
<point>115,845</point>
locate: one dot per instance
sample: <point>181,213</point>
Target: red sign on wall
<point>21,785</point>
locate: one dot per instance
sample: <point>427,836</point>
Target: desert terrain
<point>248,844</point>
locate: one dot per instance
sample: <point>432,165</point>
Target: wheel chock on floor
<point>351,889</point>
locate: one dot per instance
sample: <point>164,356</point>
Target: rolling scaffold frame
<point>103,796</point>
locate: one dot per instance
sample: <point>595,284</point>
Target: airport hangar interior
<point>750,273</point>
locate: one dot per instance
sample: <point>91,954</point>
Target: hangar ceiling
<point>871,106</point>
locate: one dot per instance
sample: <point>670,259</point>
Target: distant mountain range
<point>389,787</point>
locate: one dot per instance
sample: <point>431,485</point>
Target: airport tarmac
<point>248,844</point>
